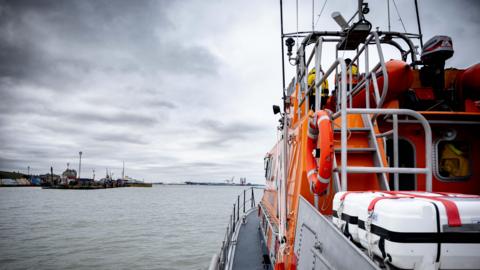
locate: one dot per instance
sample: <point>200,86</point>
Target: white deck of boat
<point>249,249</point>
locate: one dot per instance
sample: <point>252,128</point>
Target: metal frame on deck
<point>344,97</point>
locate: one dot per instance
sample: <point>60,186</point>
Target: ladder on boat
<point>364,148</point>
<point>370,140</point>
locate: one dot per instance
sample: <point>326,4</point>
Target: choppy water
<point>164,227</point>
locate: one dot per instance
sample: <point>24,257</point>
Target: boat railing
<point>369,79</point>
<point>267,225</point>
<point>396,170</point>
<point>345,95</point>
<point>245,202</point>
<point>371,75</point>
<point>344,98</point>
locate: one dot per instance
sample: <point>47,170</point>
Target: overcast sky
<point>179,90</point>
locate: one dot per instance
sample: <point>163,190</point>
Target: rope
<point>313,15</point>
<point>319,15</point>
<point>399,16</point>
<point>321,11</point>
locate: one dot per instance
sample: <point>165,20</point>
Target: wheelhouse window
<point>453,160</point>
<point>268,167</point>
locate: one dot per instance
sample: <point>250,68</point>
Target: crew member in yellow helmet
<point>353,82</point>
<point>311,81</point>
<point>453,162</point>
<point>354,72</point>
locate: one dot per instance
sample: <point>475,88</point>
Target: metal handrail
<point>324,77</point>
<point>342,97</point>
<point>225,254</point>
<point>342,111</point>
<point>313,37</point>
<point>427,170</point>
<point>369,75</point>
<point>273,229</point>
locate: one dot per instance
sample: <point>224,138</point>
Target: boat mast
<point>388,12</point>
<point>282,187</point>
<point>418,22</point>
<point>283,57</point>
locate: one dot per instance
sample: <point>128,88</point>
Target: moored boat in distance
<point>69,180</point>
<point>381,174</point>
<point>227,182</point>
<point>130,182</point>
<point>139,184</point>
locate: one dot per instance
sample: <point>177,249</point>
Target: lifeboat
<point>383,185</point>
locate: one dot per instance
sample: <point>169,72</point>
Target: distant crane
<point>230,181</point>
<point>123,171</point>
<point>79,164</point>
<point>243,181</point>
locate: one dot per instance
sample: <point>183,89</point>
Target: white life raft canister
<point>413,230</point>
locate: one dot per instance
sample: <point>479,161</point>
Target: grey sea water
<point>164,227</point>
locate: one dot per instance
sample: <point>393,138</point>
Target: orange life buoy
<point>320,135</point>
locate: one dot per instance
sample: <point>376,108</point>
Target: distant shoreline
<point>220,184</point>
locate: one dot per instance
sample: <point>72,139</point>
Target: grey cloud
<point>124,118</point>
<point>232,128</point>
<point>217,171</point>
<point>39,156</point>
<point>61,60</point>
<point>63,129</point>
<point>120,137</point>
<point>186,165</point>
<point>14,104</point>
<point>80,118</point>
<point>47,41</point>
<point>221,134</point>
<point>127,79</point>
<point>205,164</point>
<point>9,162</point>
<point>162,104</point>
<point>195,59</point>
